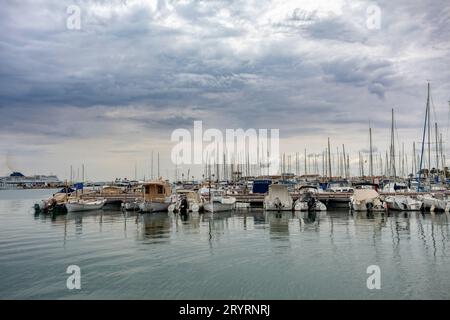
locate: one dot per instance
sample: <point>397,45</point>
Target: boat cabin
<point>158,190</point>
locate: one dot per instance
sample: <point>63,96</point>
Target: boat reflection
<point>279,224</point>
<point>155,227</point>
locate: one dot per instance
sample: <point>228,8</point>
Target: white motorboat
<point>157,196</point>
<point>365,199</point>
<point>395,187</point>
<point>219,202</point>
<point>278,198</point>
<point>194,200</point>
<point>433,203</point>
<point>131,206</point>
<point>402,203</point>
<point>84,205</point>
<point>307,200</point>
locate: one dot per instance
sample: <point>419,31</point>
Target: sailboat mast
<point>158,166</point>
<point>429,128</point>
<point>329,159</point>
<point>423,136</point>
<point>345,161</point>
<point>306,171</point>
<point>392,164</point>
<point>151,169</point>
<point>437,146</point>
<point>370,159</point>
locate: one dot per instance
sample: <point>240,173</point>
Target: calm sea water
<point>237,255</point>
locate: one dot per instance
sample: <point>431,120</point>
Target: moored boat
<point>402,203</point>
<point>366,199</point>
<point>219,202</point>
<point>308,201</point>
<point>194,200</point>
<point>278,198</point>
<point>157,196</point>
<point>84,205</point>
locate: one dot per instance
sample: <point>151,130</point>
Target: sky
<point>109,93</point>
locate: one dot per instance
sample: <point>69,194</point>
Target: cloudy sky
<point>107,94</point>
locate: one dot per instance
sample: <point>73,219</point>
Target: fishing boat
<point>84,205</point>
<point>157,196</point>
<point>307,200</point>
<point>55,204</point>
<point>219,202</point>
<point>366,198</point>
<point>278,198</point>
<point>402,203</point>
<point>195,202</point>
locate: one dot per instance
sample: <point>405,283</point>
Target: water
<point>238,255</point>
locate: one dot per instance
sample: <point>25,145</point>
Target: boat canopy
<point>365,194</point>
<point>279,191</point>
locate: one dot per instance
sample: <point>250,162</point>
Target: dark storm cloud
<point>231,63</point>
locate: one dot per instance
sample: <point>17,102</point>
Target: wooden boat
<point>54,205</point>
<point>84,205</point>
<point>157,196</point>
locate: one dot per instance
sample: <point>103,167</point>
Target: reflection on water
<point>224,255</point>
<point>155,227</point>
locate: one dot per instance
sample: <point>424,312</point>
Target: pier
<point>332,199</point>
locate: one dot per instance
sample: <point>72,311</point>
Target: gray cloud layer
<point>307,67</point>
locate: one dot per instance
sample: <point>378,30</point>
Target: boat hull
<point>79,207</point>
<point>154,206</point>
<point>364,206</point>
<point>303,206</point>
<point>218,206</point>
<point>402,204</point>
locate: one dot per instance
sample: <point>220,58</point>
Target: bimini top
<point>307,187</point>
<point>16,174</point>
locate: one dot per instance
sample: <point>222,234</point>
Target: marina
<point>224,150</point>
<point>239,254</point>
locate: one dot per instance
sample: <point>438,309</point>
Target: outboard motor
<point>184,206</point>
<point>311,203</point>
<point>369,206</point>
<point>277,203</point>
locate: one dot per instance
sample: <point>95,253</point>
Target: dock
<point>331,199</point>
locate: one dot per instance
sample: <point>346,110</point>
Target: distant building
<point>17,180</point>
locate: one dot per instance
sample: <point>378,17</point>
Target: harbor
<point>241,254</point>
<point>214,152</point>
